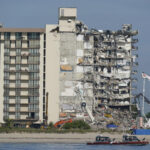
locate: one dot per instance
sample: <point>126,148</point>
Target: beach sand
<point>56,138</point>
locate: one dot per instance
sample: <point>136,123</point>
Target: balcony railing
<point>6,77</point>
<point>30,118</point>
<point>33,109</point>
<point>6,101</point>
<point>6,117</point>
<point>6,62</point>
<point>6,85</point>
<point>34,62</point>
<point>35,70</point>
<point>34,78</point>
<point>34,86</point>
<point>6,54</point>
<point>6,109</point>
<point>34,94</point>
<point>34,54</point>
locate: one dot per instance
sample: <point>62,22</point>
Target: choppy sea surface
<point>49,146</point>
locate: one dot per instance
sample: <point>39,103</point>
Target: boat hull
<point>138,143</point>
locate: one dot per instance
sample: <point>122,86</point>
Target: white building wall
<point>52,72</point>
<point>1,81</point>
<point>41,79</point>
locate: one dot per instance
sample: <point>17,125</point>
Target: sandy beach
<point>55,138</point>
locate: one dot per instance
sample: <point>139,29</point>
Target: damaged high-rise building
<point>65,70</point>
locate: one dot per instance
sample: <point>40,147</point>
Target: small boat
<point>131,140</point>
<point>126,140</point>
<point>100,140</point>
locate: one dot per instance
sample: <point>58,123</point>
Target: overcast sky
<point>100,14</point>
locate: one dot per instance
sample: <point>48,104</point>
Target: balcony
<point>6,77</point>
<point>34,78</point>
<point>24,109</point>
<point>18,46</point>
<point>34,62</point>
<point>30,118</point>
<point>34,102</point>
<point>35,70</point>
<point>24,54</point>
<point>6,61</point>
<point>34,46</point>
<point>33,109</point>
<point>7,46</point>
<point>12,101</point>
<point>12,109</point>
<point>24,38</point>
<point>6,117</point>
<point>34,86</point>
<point>34,94</point>
<point>6,109</point>
<point>24,78</point>
<point>6,85</point>
<point>23,70</point>
<point>24,101</point>
<point>6,53</point>
<point>6,101</point>
<point>34,54</point>
<point>6,69</point>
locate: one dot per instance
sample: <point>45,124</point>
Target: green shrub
<point>77,124</point>
<point>51,125</point>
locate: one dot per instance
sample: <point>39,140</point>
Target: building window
<point>18,59</point>
<point>17,115</point>
<point>6,74</point>
<point>18,35</point>
<point>18,51</point>
<point>18,67</point>
<point>17,75</point>
<point>34,43</point>
<point>6,50</point>
<point>6,67</point>
<point>18,44</point>
<point>7,44</point>
<point>7,35</point>
<point>33,36</point>
<point>6,81</point>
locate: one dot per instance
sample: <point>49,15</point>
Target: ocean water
<point>49,146</point>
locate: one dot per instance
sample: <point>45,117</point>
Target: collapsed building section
<point>97,68</point>
<point>114,66</point>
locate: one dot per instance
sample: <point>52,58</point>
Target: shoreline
<point>66,138</point>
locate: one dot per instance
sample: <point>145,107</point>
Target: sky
<point>99,14</point>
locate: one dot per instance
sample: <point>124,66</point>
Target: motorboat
<point>131,140</point>
<point>100,140</point>
<point>126,140</point>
